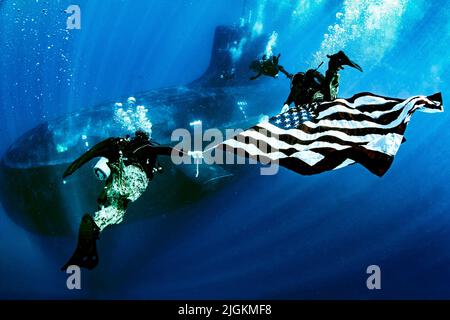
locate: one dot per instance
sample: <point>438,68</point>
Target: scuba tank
<point>101,169</point>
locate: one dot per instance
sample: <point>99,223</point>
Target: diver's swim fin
<point>85,255</point>
<point>340,59</point>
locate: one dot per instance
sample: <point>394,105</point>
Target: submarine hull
<point>34,195</point>
<point>39,202</point>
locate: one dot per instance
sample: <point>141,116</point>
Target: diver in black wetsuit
<point>128,165</point>
<point>268,66</point>
<point>312,86</point>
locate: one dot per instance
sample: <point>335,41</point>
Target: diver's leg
<point>123,189</point>
<point>85,255</point>
<point>106,216</point>
<point>331,84</point>
<point>112,204</point>
<point>102,198</point>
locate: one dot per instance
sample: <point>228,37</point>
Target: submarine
<point>36,198</point>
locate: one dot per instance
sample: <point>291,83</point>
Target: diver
<point>127,165</point>
<point>312,86</point>
<point>268,66</point>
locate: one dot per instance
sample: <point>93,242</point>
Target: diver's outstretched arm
<point>330,85</point>
<point>287,74</point>
<point>167,151</point>
<point>107,148</point>
<point>256,77</point>
<point>162,151</point>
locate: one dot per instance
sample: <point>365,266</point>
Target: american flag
<point>367,129</point>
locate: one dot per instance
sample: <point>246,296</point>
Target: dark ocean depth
<point>283,236</point>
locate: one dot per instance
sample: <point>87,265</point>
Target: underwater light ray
<point>371,26</point>
<point>141,25</point>
<point>107,46</point>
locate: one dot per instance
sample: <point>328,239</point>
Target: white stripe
<point>388,143</point>
<point>350,110</point>
<point>301,135</point>
<point>281,145</point>
<point>361,101</point>
<point>423,108</point>
<point>345,163</point>
<point>253,150</point>
<point>351,124</point>
<point>365,100</point>
<point>307,156</point>
<point>370,99</point>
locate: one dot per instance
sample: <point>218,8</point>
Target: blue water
<point>283,236</point>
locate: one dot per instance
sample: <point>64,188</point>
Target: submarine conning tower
<point>234,48</point>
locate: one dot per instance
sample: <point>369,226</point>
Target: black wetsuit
<point>144,154</point>
<point>138,151</point>
<point>269,67</point>
<point>133,151</point>
<point>313,86</point>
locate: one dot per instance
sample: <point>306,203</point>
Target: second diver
<point>310,86</point>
